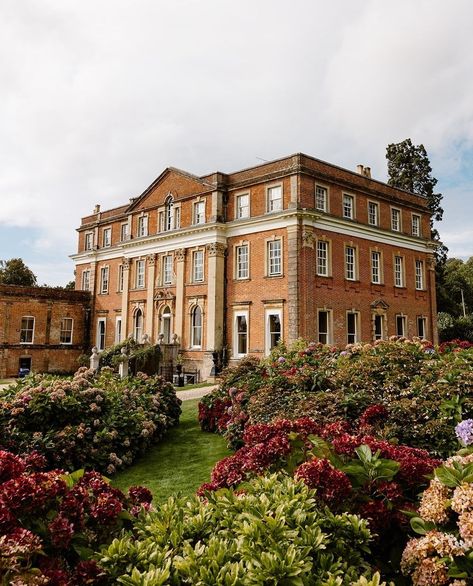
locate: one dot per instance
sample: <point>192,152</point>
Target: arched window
<point>196,327</point>
<point>138,325</point>
<point>169,213</point>
<point>166,325</point>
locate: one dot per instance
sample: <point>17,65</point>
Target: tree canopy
<point>15,272</point>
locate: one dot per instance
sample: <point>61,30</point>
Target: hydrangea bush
<point>416,385</point>
<point>95,422</point>
<point>51,522</point>
<point>272,532</point>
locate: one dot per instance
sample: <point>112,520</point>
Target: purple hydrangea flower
<point>281,359</point>
<point>464,431</point>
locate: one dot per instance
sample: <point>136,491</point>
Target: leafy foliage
<point>273,532</point>
<point>15,272</point>
<point>89,421</point>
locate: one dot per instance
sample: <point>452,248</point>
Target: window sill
<point>103,293</point>
<point>241,279</point>
<point>274,276</point>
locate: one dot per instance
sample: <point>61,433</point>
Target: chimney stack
<point>359,169</point>
<point>367,172</point>
<point>97,209</point>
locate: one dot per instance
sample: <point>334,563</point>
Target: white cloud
<point>98,97</point>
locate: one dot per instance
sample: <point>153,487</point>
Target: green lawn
<point>179,463</point>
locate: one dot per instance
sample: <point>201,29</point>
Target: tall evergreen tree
<point>15,272</point>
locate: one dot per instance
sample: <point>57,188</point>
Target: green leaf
<point>420,526</point>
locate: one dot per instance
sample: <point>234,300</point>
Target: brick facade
<point>291,248</point>
<point>42,327</point>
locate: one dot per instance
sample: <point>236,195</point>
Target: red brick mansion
<point>292,248</point>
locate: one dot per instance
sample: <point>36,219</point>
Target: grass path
<point>179,463</point>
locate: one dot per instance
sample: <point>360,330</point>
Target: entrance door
<point>24,366</point>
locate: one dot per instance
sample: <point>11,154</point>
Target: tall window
<point>352,327</point>
<point>27,330</point>
<point>241,334</point>
<point>273,329</point>
<point>419,274</point>
<point>242,206</point>
<point>373,213</point>
<point>177,217</point>
<point>274,258</point>
<point>89,241</point>
<point>322,258</point>
<point>120,279</point>
<point>375,266</point>
<point>142,226</point>
<point>396,219</point>
<point>124,232</point>
<point>100,342</point>
<point>169,213</point>
<point>104,273</point>
<point>378,327</point>
<point>398,271</point>
<point>422,327</point>
<point>118,330</point>
<point>274,202</point>
<point>324,334</point>
<point>107,237</point>
<point>242,265</point>
<point>350,263</point>
<point>65,335</point>
<point>415,225</point>
<point>400,325</point>
<point>86,280</point>
<point>199,212</point>
<point>320,198</point>
<point>166,324</point>
<point>138,325</point>
<point>140,274</point>
<point>348,206</point>
<point>167,269</point>
<point>198,266</point>
<point>196,327</point>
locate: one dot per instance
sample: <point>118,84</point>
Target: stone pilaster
<point>180,256</point>
<point>430,277</point>
<point>126,287</point>
<point>293,283</point>
<point>150,279</point>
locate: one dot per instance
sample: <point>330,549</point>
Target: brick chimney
<point>97,209</point>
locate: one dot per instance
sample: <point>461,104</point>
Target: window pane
<point>322,258</point>
<point>323,327</point>
<point>274,199</point>
<point>66,331</point>
<point>242,334</point>
<point>274,257</point>
<point>274,329</point>
<point>321,198</point>
<point>27,330</point>
<point>351,328</point>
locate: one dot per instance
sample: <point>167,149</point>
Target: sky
<point>98,97</point>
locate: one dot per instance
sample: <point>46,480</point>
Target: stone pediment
<point>379,304</point>
<point>164,294</point>
<point>173,182</point>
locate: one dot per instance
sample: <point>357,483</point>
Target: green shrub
<point>89,421</point>
<point>273,532</point>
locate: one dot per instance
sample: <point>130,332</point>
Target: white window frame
<point>372,216</point>
<point>399,271</point>
<point>382,318</point>
<point>423,319</point>
<point>242,211</point>
<point>89,241</point>
<point>267,338</point>
<point>27,329</point>
<point>124,232</point>
<point>167,269</point>
<point>348,206</point>
<point>322,258</point>
<point>142,226</point>
<point>325,337</point>
<point>140,279</point>
<point>107,237</point>
<point>138,326</point>
<point>177,216</point>
<point>401,319</point>
<point>376,267</point>
<point>104,280</point>
<point>85,280</point>
<point>416,226</point>
<point>242,261</point>
<point>396,220</point>
<point>120,279</point>
<point>198,274</point>
<point>273,261</point>
<point>98,337</point>
<point>236,334</point>
<point>194,327</point>
<point>274,204</point>
<point>419,275</point>
<point>321,198</point>
<point>118,329</point>
<point>62,331</point>
<point>353,337</point>
<point>199,212</point>
<point>351,268</point>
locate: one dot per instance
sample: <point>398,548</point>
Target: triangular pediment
<point>171,182</point>
<point>379,304</point>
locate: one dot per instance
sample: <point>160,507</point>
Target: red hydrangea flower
<point>377,514</point>
<point>106,509</point>
<point>32,492</point>
<point>373,414</point>
<point>61,530</point>
<point>87,572</point>
<point>332,485</point>
<point>11,466</point>
<point>140,495</point>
